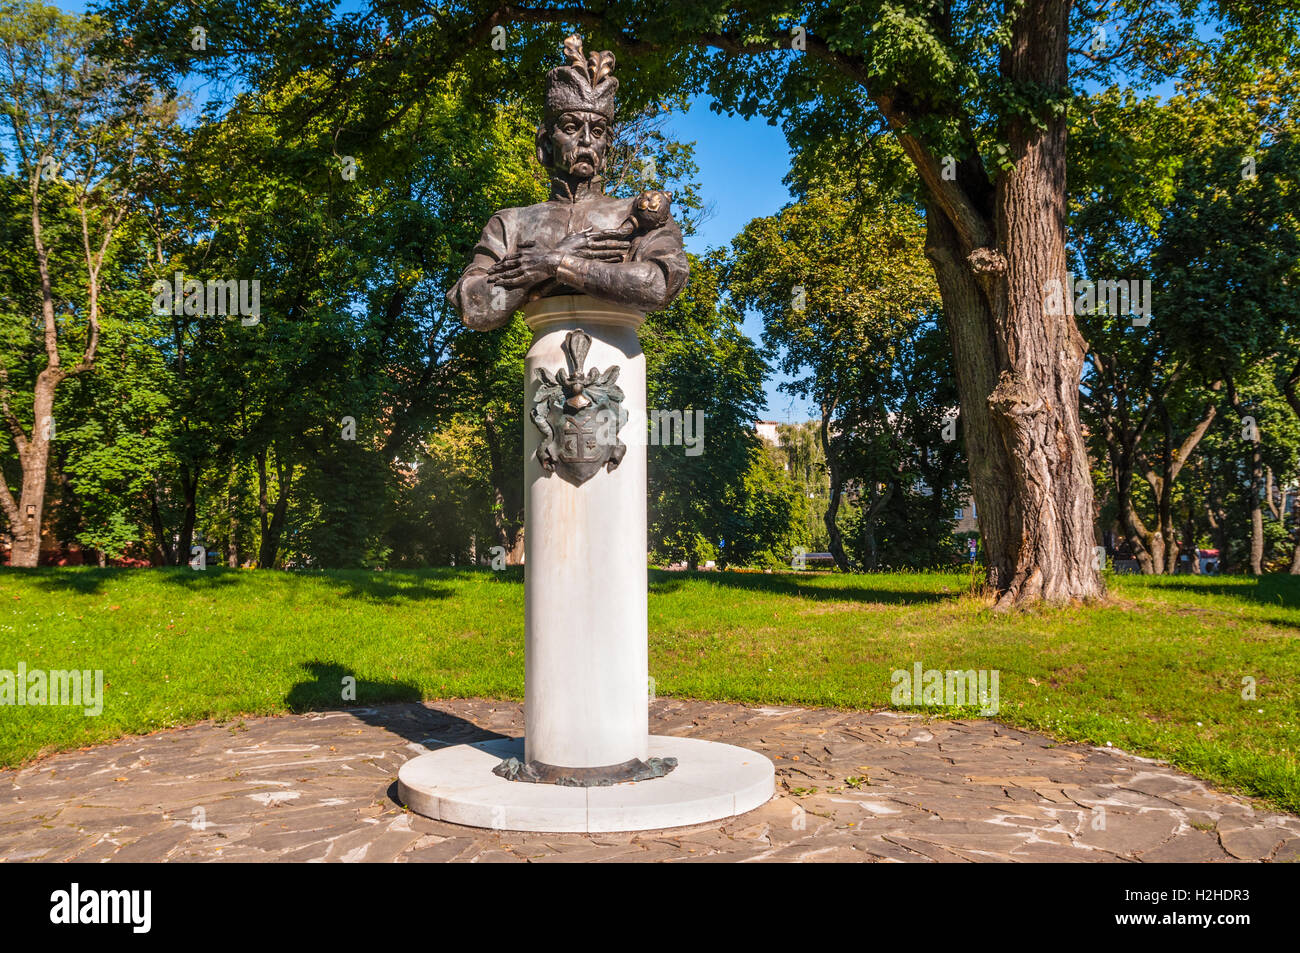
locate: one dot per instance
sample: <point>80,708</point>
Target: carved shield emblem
<point>579,414</point>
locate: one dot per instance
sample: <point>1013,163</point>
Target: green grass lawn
<point>1158,671</point>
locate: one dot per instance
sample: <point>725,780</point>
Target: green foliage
<point>700,363</point>
<point>1199,193</point>
<point>849,304</point>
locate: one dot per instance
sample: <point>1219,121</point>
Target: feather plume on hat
<point>583,84</point>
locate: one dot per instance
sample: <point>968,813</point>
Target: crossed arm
<point>590,262</point>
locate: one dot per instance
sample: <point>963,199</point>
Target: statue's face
<point>578,143</point>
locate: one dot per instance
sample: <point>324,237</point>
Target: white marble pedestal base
<point>712,781</point>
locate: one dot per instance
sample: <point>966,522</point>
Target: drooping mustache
<point>582,155</point>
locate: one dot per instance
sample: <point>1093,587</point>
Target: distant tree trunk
<point>190,489</point>
<point>1171,465</point>
<point>1256,487</point>
<point>877,499</point>
<point>1135,531</point>
<point>1289,388</point>
<point>271,516</point>
<point>1217,516</point>
<point>232,508</point>
<point>1256,515</point>
<point>1123,436</point>
<point>1295,532</point>
<point>163,553</point>
<point>835,542</point>
<point>508,511</point>
<point>1193,551</point>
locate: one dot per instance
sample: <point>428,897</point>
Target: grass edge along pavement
<point>1201,672</point>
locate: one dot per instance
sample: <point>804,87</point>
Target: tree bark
<point>996,257</point>
<point>25,515</point>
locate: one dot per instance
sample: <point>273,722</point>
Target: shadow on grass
<point>214,577</point>
<point>386,586</point>
<point>85,582</point>
<point>1275,589</point>
<point>327,688</point>
<point>787,584</point>
<point>89,582</point>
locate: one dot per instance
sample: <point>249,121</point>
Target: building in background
<point>766,429</point>
<point>965,514</point>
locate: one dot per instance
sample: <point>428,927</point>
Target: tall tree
<point>840,286</point>
<point>704,374</point>
<point>85,137</point>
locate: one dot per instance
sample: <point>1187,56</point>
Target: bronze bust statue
<point>580,241</point>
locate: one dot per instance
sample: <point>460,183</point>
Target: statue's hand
<point>599,246</point>
<point>526,267</point>
<point>531,266</point>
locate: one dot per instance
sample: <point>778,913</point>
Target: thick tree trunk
<point>1028,465</point>
<point>1018,362</point>
<point>25,518</point>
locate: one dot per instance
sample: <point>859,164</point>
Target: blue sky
<point>742,164</point>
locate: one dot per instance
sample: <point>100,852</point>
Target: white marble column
<point>585,699</point>
<point>585,578</point>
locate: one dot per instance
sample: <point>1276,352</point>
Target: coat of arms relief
<point>579,414</point>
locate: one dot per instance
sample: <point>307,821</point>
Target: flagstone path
<point>851,786</point>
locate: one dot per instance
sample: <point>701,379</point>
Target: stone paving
<point>852,786</point>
